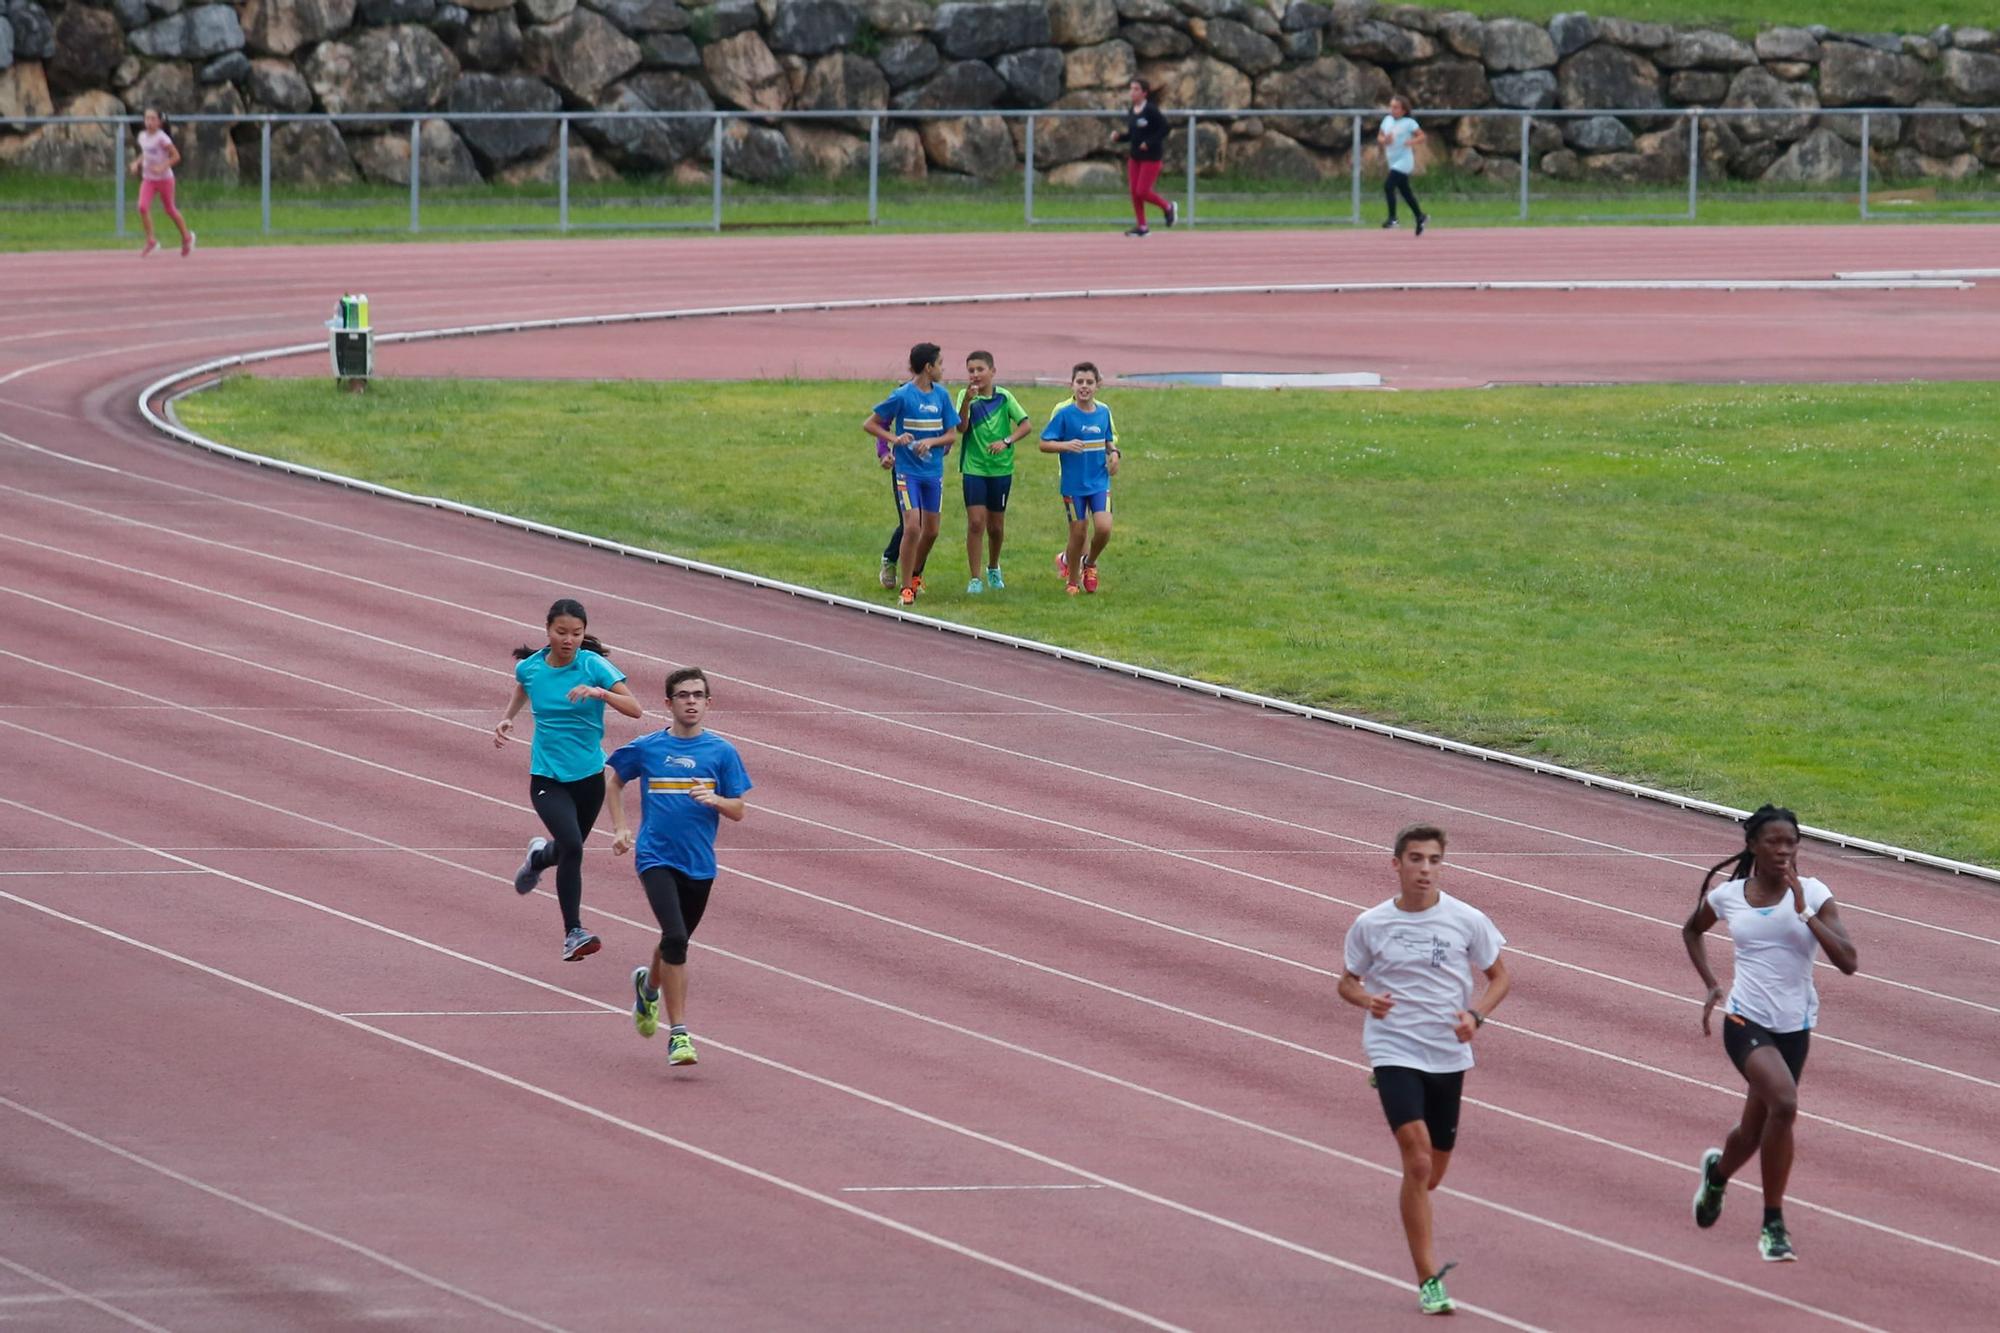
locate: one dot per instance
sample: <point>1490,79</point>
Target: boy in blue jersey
<point>692,779</point>
<point>1081,433</point>
<point>920,425</point>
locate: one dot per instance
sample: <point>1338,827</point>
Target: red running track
<point>1015,1006</point>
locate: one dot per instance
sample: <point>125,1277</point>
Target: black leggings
<point>1400,180</point>
<point>568,809</point>
<point>678,903</point>
<point>893,551</point>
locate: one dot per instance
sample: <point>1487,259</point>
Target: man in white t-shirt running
<point>1411,963</point>
<point>1778,923</point>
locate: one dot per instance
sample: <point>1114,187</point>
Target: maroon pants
<point>1141,175</point>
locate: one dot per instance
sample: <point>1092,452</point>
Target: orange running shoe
<point>1090,578</point>
<point>1074,590</point>
<point>917,582</point>
<point>1062,565</point>
<point>908,596</point>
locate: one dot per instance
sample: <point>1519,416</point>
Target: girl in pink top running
<point>155,168</point>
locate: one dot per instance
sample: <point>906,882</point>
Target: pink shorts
<point>163,188</point>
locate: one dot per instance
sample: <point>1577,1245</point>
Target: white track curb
<point>169,424</point>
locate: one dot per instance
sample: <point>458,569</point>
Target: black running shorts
<point>1417,1094</point>
<point>1740,1037</point>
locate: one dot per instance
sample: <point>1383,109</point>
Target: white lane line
<point>1263,702</point>
<point>1915,274</point>
<point>68,1292</point>
<point>834,707</point>
<point>1033,886</point>
<point>1519,1214</point>
<point>472,1013</point>
<point>675,613</point>
<point>955,1189</point>
<point>947,736</point>
<point>271,1214</point>
<point>955,941</point>
<point>18,405</point>
<point>90,874</point>
<point>757,1173</point>
<point>985,806</point>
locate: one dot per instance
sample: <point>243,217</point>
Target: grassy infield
<point>1742,593</point>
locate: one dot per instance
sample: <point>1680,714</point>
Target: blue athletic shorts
<point>1077,508</point>
<point>987,492</point>
<point>923,494</point>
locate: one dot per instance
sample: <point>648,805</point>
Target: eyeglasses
<point>689,694</point>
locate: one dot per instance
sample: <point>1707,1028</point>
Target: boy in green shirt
<point>994,422</point>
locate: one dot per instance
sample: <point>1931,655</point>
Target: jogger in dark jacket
<point>1145,133</point>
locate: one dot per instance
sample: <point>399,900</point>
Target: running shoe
<point>976,587</point>
<point>530,873</point>
<point>1062,565</point>
<point>1423,220</point>
<point>1708,1197</point>
<point>1431,1296</point>
<point>1074,590</point>
<point>150,247</point>
<point>917,582</point>
<point>580,943</point>
<point>993,579</point>
<point>1775,1244</point>
<point>907,597</point>
<point>187,246</point>
<point>1136,231</point>
<point>1391,225</point>
<point>1090,578</point>
<point>645,1004</point>
<point>680,1051</point>
<point>1173,214</point>
<point>888,574</point>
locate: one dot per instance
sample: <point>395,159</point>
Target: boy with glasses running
<point>692,779</point>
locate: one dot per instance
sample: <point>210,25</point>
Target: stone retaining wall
<point>108,57</point>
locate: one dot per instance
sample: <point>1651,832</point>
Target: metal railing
<point>1522,192</point>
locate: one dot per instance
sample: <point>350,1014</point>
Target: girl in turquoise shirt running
<point>566,685</point>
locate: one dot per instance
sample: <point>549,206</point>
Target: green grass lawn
<point>48,213</point>
<point>1746,594</point>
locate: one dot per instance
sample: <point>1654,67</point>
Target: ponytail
<point>591,645</point>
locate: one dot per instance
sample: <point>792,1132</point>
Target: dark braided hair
<point>1741,863</point>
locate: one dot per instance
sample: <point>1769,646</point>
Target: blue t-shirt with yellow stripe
<point>925,414</point>
<point>674,829</point>
<point>1087,472</point>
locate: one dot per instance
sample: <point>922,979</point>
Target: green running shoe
<point>993,579</point>
<point>680,1051</point>
<point>976,587</point>
<point>645,1005</point>
<point>1431,1297</point>
<point>1708,1196</point>
<point>1775,1244</point>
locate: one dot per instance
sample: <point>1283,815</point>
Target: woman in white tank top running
<point>1778,922</point>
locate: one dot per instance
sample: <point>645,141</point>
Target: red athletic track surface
<point>282,1050</point>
